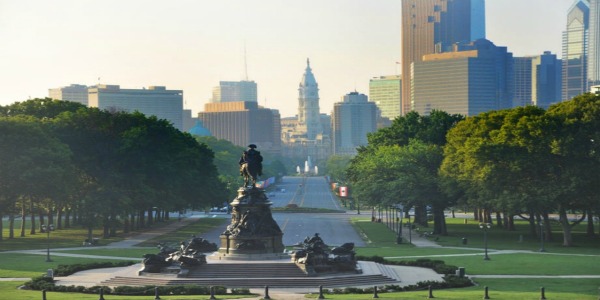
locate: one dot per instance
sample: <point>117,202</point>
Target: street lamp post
<point>485,227</point>
<point>542,236</point>
<point>47,229</point>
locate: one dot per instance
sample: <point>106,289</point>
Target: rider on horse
<point>251,164</point>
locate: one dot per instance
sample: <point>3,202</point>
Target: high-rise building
<point>537,80</point>
<point>475,78</point>
<point>547,80</point>
<point>309,117</point>
<point>74,92</point>
<point>433,26</point>
<point>353,118</point>
<point>593,66</point>
<point>386,93</point>
<point>244,123</point>
<point>575,51</point>
<point>522,81</point>
<point>235,91</point>
<point>153,101</point>
<point>308,134</point>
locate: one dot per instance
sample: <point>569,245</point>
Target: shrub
<point>66,270</point>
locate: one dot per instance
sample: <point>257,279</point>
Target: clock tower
<point>308,105</point>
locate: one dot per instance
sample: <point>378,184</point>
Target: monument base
<point>249,257</point>
<point>231,245</point>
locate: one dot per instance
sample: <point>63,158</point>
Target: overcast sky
<point>191,45</point>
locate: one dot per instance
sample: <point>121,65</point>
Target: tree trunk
<point>59,214</point>
<point>511,223</point>
<point>547,227</point>
<point>105,227</point>
<point>126,223</point>
<point>499,219</point>
<point>132,222</point>
<point>67,217</point>
<point>23,217</point>
<point>141,219</point>
<point>11,226</point>
<point>50,215</point>
<point>150,219</point>
<point>32,216</point>
<point>533,230</point>
<point>566,227</point>
<point>42,220</point>
<point>439,222</point>
<point>590,223</point>
<point>1,225</point>
<point>113,225</point>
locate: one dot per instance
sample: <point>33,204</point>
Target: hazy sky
<point>193,44</point>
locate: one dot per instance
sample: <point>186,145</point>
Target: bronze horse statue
<point>251,165</point>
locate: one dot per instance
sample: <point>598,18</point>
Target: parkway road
<point>310,192</point>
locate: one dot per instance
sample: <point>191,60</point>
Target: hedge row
<point>46,283</point>
<point>66,270</point>
<point>439,266</point>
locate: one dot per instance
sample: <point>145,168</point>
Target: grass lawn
<point>32,265</point>
<point>134,252</point>
<point>505,289</point>
<point>520,239</point>
<point>527,264</point>
<point>184,233</point>
<point>63,238</point>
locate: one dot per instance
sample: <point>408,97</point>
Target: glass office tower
<point>433,26</point>
<point>575,42</point>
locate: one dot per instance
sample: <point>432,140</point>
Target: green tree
<point>337,166</point>
<point>426,134</point>
<point>34,164</point>
<point>575,148</point>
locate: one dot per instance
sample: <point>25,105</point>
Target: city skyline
<point>191,45</point>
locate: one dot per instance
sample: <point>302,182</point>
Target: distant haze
<point>191,45</point>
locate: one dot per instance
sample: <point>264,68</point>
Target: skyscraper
<point>308,105</point>
<point>433,26</point>
<point>243,123</point>
<point>475,78</point>
<point>537,80</point>
<point>593,71</point>
<point>353,118</point>
<point>234,91</point>
<point>386,93</point>
<point>522,81</point>
<point>575,44</point>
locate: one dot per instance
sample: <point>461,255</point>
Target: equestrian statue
<point>251,165</point>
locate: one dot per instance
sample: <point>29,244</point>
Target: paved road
<point>310,192</point>
<point>305,192</point>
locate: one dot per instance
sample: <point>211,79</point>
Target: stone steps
<point>246,270</point>
<point>253,275</point>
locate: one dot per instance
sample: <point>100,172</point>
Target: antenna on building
<point>245,63</point>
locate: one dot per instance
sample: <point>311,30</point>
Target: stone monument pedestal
<point>253,233</point>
